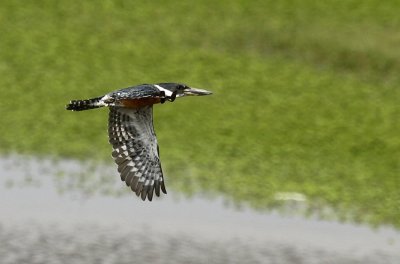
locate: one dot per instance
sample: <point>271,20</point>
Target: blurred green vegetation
<point>306,93</point>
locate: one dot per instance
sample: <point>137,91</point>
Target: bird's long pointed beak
<point>196,91</point>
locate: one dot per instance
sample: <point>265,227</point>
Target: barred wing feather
<point>135,150</point>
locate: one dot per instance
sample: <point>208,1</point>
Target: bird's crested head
<point>181,89</point>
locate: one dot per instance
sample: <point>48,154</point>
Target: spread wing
<point>135,149</point>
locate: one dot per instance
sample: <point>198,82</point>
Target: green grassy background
<point>306,93</point>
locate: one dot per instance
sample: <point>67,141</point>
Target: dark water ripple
<point>99,244</point>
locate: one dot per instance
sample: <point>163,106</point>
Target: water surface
<point>42,222</point>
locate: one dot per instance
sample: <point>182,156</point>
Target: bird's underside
<point>131,132</point>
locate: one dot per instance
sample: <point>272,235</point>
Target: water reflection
<point>38,225</point>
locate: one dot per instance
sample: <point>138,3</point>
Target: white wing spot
<point>167,92</point>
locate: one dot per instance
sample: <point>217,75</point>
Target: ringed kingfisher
<point>131,131</point>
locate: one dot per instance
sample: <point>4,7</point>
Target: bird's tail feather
<point>80,105</point>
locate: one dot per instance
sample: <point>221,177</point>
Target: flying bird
<point>131,131</point>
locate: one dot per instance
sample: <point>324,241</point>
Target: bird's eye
<point>181,87</point>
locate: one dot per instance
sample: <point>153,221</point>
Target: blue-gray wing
<point>139,91</point>
<point>135,149</point>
